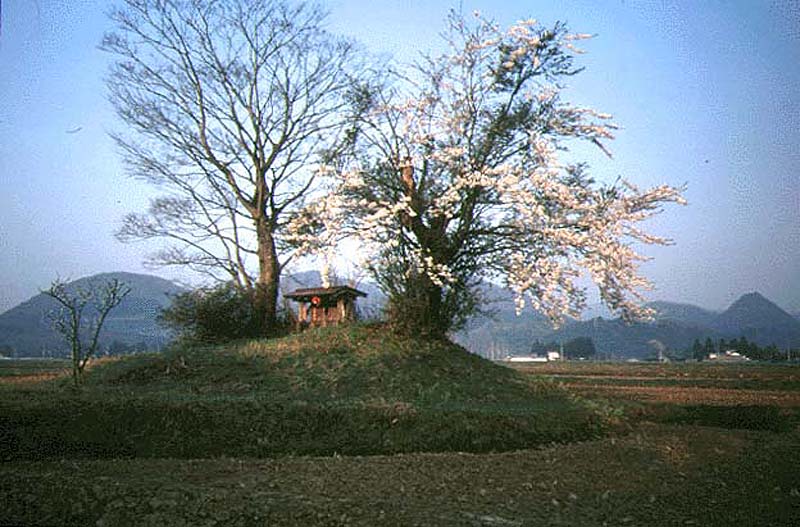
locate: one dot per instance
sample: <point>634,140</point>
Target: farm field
<point>706,383</point>
<point>27,371</point>
<point>692,458</point>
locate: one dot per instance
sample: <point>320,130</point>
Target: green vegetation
<point>744,347</point>
<point>725,383</point>
<point>214,315</point>
<point>346,390</point>
<point>752,417</point>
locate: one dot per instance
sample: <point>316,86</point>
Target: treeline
<point>751,350</point>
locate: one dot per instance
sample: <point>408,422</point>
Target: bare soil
<point>656,475</point>
<point>691,395</point>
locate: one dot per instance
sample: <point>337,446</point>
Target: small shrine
<point>325,306</point>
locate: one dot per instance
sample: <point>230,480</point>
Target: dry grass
<point>690,395</point>
<point>32,378</point>
<point>704,383</point>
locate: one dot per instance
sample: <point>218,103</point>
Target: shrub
<point>213,315</point>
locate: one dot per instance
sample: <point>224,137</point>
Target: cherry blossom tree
<point>461,170</point>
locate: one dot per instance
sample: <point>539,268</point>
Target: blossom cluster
<point>448,187</point>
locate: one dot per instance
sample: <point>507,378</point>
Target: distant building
<point>553,355</point>
<point>727,356</point>
<point>526,359</point>
<point>550,356</point>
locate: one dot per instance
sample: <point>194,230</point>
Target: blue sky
<point>707,94</point>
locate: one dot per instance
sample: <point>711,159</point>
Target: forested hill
<point>675,327</point>
<point>26,330</point>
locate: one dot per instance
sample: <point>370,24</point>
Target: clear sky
<point>707,93</point>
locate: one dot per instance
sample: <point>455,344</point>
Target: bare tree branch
<point>71,320</point>
<point>228,107</point>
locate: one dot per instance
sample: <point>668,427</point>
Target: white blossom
<point>540,228</point>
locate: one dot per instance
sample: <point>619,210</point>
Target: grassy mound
<point>347,390</point>
<point>342,365</point>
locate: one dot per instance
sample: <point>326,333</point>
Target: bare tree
<point>75,325</point>
<point>229,105</point>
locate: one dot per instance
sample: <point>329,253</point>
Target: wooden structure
<point>325,306</point>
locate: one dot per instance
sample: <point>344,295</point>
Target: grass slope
<point>349,390</point>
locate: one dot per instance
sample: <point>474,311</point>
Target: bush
<point>213,315</point>
<point>418,307</point>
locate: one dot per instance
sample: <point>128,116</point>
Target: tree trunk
<point>420,309</point>
<point>436,323</point>
<point>265,297</point>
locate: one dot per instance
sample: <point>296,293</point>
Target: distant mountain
<point>501,332</point>
<point>683,313</point>
<point>615,339</point>
<point>753,310</point>
<point>507,334</point>
<point>26,329</point>
<point>675,326</point>
<point>760,320</point>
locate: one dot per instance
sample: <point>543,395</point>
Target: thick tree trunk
<point>437,322</point>
<point>265,298</point>
<point>420,310</point>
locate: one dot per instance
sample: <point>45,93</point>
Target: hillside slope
<point>27,330</point>
<point>345,364</point>
<point>675,326</point>
<point>760,320</point>
<point>685,314</point>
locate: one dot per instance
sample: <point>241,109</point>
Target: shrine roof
<point>305,295</point>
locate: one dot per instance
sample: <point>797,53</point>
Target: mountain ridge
<point>682,312</point>
<point>675,326</point>
<point>25,329</point>
<point>760,320</point>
